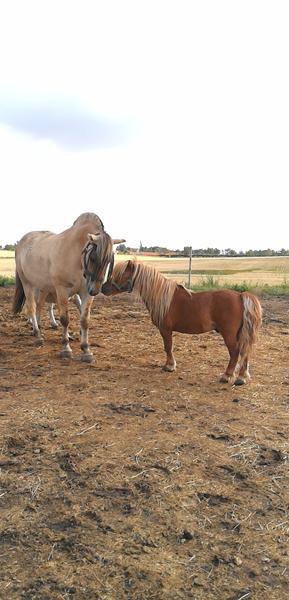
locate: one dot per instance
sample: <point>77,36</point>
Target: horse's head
<point>98,261</point>
<point>121,279</point>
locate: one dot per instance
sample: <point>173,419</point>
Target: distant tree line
<point>8,247</point>
<point>160,250</point>
<point>123,249</point>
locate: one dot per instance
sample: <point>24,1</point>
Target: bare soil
<point>121,481</point>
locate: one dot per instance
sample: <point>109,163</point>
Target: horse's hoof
<point>169,368</point>
<point>88,358</point>
<point>65,354</point>
<point>53,326</point>
<point>224,379</point>
<point>239,381</point>
<point>39,342</point>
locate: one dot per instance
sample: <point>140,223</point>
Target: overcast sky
<point>169,119</point>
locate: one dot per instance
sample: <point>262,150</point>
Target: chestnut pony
<point>53,267</point>
<point>236,316</point>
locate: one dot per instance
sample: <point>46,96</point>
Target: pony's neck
<point>155,290</point>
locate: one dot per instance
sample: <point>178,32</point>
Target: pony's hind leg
<point>170,364</point>
<point>85,307</point>
<point>233,349</point>
<point>244,374</point>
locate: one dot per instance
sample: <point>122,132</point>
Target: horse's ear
<point>93,238</point>
<point>117,241</point>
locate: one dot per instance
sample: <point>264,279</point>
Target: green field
<point>206,272</point>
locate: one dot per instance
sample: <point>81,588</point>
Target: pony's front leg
<point>168,347</point>
<point>62,301</point>
<point>86,304</point>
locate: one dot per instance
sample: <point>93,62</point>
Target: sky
<point>168,119</point>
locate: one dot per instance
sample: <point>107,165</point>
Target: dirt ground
<point>121,481</point>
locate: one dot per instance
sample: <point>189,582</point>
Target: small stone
<point>238,561</point>
<point>185,536</point>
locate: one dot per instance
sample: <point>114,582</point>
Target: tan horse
<point>236,316</point>
<point>53,267</point>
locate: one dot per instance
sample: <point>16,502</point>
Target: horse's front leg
<point>85,307</point>
<point>62,301</point>
<point>168,347</point>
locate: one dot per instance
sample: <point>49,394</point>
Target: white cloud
<point>207,84</point>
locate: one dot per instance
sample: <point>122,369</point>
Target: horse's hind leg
<point>86,303</point>
<point>233,348</point>
<point>76,301</point>
<point>62,301</point>
<point>40,300</point>
<point>31,309</point>
<point>170,364</point>
<point>52,320</point>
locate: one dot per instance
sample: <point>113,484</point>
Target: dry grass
<point>119,481</point>
<point>257,270</point>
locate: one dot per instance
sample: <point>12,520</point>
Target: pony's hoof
<point>240,381</point>
<point>39,342</point>
<point>65,354</point>
<point>169,368</point>
<point>88,358</point>
<point>224,379</point>
<point>53,326</point>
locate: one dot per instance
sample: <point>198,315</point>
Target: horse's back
<point>46,260</point>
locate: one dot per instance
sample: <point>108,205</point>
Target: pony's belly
<point>192,328</point>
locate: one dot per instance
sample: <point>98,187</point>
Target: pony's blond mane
<point>89,217</point>
<point>155,289</point>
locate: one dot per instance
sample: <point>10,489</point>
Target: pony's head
<point>98,261</point>
<point>121,279</point>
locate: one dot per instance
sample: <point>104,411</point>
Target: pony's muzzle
<point>106,288</point>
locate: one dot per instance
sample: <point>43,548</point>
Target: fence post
<point>190,267</point>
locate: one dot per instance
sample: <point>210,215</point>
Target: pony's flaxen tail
<point>19,296</point>
<point>252,319</point>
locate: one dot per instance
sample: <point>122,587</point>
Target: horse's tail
<point>252,319</point>
<point>19,296</point>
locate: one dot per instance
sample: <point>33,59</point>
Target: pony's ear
<point>130,265</point>
<point>117,241</point>
<point>93,238</point>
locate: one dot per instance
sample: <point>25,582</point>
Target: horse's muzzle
<point>93,288</point>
